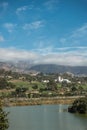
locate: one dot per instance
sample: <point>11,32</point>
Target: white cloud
<point>2,38</point>
<point>5,4</point>
<point>63,40</point>
<point>14,54</point>
<point>24,8</point>
<point>4,7</point>
<point>21,9</point>
<point>74,56</point>
<point>51,4</point>
<point>80,32</point>
<point>10,26</point>
<point>62,56</point>
<point>77,37</point>
<point>33,25</point>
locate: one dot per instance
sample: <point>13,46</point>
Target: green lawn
<point>20,83</point>
<point>84,86</point>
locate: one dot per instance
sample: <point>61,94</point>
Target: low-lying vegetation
<point>13,84</point>
<point>79,106</point>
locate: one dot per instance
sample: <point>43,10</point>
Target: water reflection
<point>45,117</point>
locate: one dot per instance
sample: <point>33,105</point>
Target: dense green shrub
<point>79,106</point>
<point>3,119</point>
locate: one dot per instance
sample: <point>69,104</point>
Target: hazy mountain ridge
<point>51,68</point>
<point>20,66</point>
<point>25,66</point>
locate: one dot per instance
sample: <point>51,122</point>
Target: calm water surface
<point>45,117</point>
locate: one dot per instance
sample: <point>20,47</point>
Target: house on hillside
<point>60,79</point>
<point>45,81</point>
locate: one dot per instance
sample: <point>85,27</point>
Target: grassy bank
<point>37,101</point>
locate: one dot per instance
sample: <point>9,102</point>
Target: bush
<point>3,119</point>
<point>79,106</point>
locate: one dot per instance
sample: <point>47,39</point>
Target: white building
<point>60,79</point>
<point>45,81</point>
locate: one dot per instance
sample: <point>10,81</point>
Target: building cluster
<point>59,79</point>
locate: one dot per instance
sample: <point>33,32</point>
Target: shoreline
<point>38,101</point>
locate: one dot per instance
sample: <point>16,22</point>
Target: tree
<point>35,86</point>
<point>51,85</point>
<point>79,106</point>
<point>3,83</point>
<point>3,119</point>
<point>20,91</point>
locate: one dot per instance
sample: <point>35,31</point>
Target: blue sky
<point>44,31</point>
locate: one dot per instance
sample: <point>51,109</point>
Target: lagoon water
<point>45,117</point>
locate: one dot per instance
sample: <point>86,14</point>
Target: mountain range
<point>52,68</point>
<point>26,67</point>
